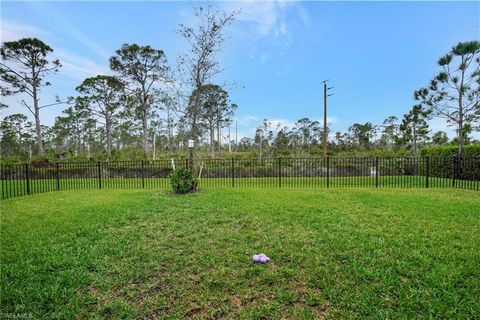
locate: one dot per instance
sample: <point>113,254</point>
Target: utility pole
<point>229,138</point>
<point>325,131</point>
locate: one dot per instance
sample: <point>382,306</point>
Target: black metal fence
<point>327,172</point>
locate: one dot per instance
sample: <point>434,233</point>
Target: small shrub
<point>182,181</point>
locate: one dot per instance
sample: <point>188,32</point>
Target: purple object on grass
<point>262,258</point>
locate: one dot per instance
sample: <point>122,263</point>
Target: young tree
<point>170,102</point>
<point>454,94</point>
<point>143,69</point>
<point>414,127</point>
<point>467,131</point>
<point>216,111</point>
<point>341,141</point>
<point>127,133</point>
<point>281,141</point>
<point>16,135</point>
<point>24,67</point>
<point>303,131</point>
<point>264,135</point>
<point>389,135</point>
<point>101,96</point>
<point>245,144</point>
<point>439,138</point>
<point>201,64</point>
<point>361,134</point>
<point>73,130</point>
<point>158,131</point>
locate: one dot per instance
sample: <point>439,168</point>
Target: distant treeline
<point>149,109</point>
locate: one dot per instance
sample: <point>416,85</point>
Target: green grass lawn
<point>336,253</point>
<point>13,188</point>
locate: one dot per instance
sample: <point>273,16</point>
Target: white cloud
<point>247,119</point>
<point>265,56</point>
<point>332,120</point>
<point>73,65</point>
<point>11,30</point>
<point>281,123</point>
<point>263,15</point>
<point>80,37</point>
<point>271,21</point>
<point>270,18</point>
<point>75,34</point>
<point>303,15</point>
<point>78,67</point>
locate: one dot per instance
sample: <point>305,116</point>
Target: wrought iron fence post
<point>279,172</point>
<point>99,175</point>
<point>376,172</point>
<point>427,171</point>
<point>27,178</point>
<point>328,172</point>
<point>143,174</point>
<point>57,174</point>
<point>233,173</point>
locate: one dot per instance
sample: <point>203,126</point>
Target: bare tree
<point>201,64</point>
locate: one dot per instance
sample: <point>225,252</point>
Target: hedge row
<point>471,150</point>
<point>444,161</point>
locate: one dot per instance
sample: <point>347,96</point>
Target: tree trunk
<point>460,125</point>
<point>19,131</point>
<point>169,129</point>
<point>212,141</point>
<point>460,111</point>
<point>154,146</point>
<point>229,140</point>
<point>108,132</point>
<point>219,137</point>
<point>260,145</point>
<point>145,133</point>
<point>193,129</point>
<point>36,109</point>
<point>193,115</point>
<point>460,138</point>
<point>38,128</point>
<point>414,140</point>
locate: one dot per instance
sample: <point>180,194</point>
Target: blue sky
<point>374,53</point>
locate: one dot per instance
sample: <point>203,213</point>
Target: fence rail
<point>327,172</point>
